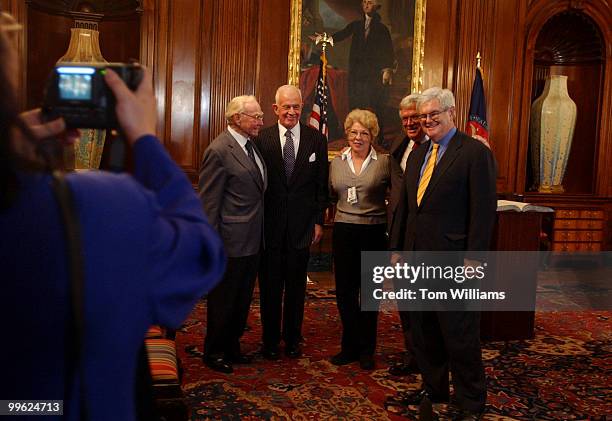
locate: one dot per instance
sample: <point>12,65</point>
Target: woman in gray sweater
<point>358,182</point>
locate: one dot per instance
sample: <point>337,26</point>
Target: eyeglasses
<point>259,117</point>
<point>354,134</point>
<point>412,118</point>
<point>432,115</point>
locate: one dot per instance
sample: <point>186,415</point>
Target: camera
<point>79,94</point>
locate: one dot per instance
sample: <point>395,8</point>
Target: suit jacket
<point>293,206</point>
<point>232,193</point>
<point>457,211</point>
<point>398,147</point>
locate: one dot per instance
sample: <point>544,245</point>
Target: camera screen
<point>75,87</point>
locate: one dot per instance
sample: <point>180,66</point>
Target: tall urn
<point>551,129</point>
<point>84,48</point>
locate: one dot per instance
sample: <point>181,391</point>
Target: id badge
<point>352,195</point>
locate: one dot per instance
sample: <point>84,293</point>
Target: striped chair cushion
<point>162,359</point>
<point>154,332</point>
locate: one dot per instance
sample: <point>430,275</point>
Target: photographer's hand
<point>136,111</point>
<point>40,131</point>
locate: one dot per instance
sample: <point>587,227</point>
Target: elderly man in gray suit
<point>233,180</point>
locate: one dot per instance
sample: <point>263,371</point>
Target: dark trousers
<point>450,340</point>
<point>282,288</point>
<point>358,327</point>
<point>228,307</point>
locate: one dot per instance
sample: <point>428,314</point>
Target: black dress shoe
<point>407,398</point>
<point>219,364</point>
<point>426,411</point>
<point>343,358</point>
<point>404,369</point>
<point>366,362</point>
<point>293,351</point>
<point>271,354</point>
<point>240,359</point>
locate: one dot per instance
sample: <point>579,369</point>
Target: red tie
<point>415,145</point>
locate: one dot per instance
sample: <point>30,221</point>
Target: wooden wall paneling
<point>272,69</point>
<point>182,89</point>
<point>507,62</point>
<point>502,85</point>
<point>440,43</point>
<point>18,9</point>
<point>48,39</point>
<point>234,56</point>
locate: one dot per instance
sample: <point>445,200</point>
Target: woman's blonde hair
<point>364,117</point>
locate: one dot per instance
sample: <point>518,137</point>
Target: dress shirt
<point>242,141</point>
<point>347,156</point>
<point>295,134</point>
<point>443,146</point>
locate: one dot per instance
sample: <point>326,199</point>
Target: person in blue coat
<point>148,254</point>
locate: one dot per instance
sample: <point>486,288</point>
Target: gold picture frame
<point>417,42</point>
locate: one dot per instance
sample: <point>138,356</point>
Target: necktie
<point>429,167</point>
<point>289,154</point>
<point>250,153</point>
<point>415,145</point>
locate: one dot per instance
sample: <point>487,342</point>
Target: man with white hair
<point>296,199</point>
<point>400,151</point>
<point>233,179</point>
<point>448,204</point>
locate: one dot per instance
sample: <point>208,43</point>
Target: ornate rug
<point>565,373</point>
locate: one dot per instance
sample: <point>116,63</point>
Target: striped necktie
<point>429,167</point>
<point>289,154</point>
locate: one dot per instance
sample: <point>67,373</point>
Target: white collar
<point>241,139</point>
<point>295,130</point>
<point>347,154</point>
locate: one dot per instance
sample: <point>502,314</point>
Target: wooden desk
<point>514,231</point>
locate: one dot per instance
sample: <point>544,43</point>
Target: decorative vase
<point>553,118</point>
<point>84,48</point>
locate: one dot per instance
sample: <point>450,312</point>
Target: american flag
<point>318,116</point>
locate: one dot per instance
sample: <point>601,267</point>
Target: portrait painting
<point>374,61</point>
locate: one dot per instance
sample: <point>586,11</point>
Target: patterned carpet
<point>564,374</point>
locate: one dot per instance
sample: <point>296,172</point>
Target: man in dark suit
<point>295,202</point>
<point>448,204</point>
<point>400,151</point>
<point>370,59</point>
<point>233,179</point>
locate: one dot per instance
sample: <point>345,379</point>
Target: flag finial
<point>478,57</point>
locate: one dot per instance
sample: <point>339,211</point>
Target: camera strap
<point>75,333</point>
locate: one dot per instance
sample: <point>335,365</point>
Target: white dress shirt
<point>295,134</point>
<point>242,141</point>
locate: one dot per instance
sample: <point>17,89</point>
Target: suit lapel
<point>276,152</point>
<point>414,175</point>
<point>452,152</point>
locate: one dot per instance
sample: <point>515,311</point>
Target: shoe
<point>240,359</point>
<point>219,364</point>
<point>270,353</point>
<point>426,411</point>
<point>366,362</point>
<point>404,369</point>
<point>342,358</point>
<point>407,398</point>
<point>293,351</point>
<point>466,415</point>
